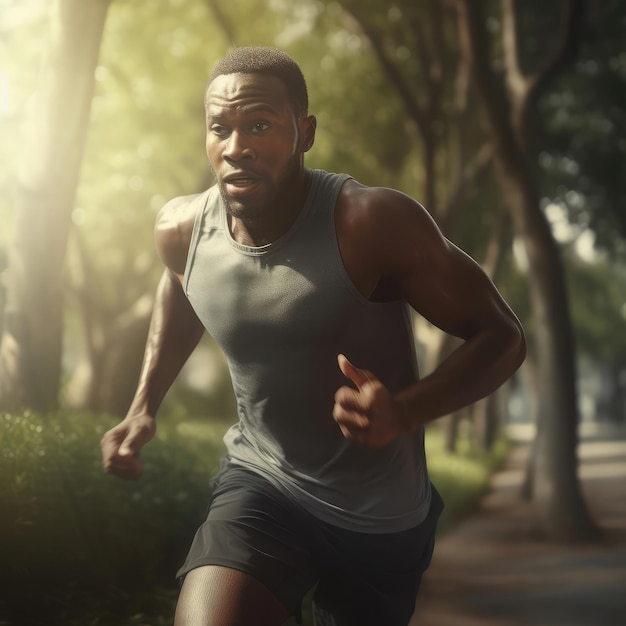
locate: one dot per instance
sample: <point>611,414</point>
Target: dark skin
<point>390,246</point>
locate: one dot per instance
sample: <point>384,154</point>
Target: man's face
<point>254,141</point>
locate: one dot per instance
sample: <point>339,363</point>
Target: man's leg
<point>220,596</point>
<point>373,580</point>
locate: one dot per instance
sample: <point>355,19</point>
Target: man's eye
<point>218,130</point>
<point>259,127</point>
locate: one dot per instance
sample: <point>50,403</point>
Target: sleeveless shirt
<point>281,313</point>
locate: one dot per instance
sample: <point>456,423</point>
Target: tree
<point>597,288</point>
<point>507,103</point>
<point>423,63</point>
<point>144,147</point>
<point>582,126</point>
<point>31,346</point>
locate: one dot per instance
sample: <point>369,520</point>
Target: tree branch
<point>500,241</point>
<point>473,42</point>
<point>565,49</point>
<point>412,106</point>
<point>526,89</point>
<point>223,21</point>
<point>454,205</point>
<point>517,83</point>
<point>431,60</point>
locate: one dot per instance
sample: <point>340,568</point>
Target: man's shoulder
<point>181,209</point>
<point>174,228</point>
<point>368,209</point>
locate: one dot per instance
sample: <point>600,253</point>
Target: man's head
<point>270,61</point>
<point>258,130</point>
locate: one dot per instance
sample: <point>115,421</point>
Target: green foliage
<point>146,136</point>
<point>77,543</point>
<point>582,129</point>
<point>598,307</point>
<point>461,477</point>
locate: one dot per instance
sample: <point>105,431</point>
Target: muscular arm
<point>457,296</point>
<point>405,248</point>
<point>174,333</point>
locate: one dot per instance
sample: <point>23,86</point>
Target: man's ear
<point>308,126</point>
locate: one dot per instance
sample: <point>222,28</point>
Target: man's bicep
<point>448,288</point>
<point>174,302</point>
<point>440,281</point>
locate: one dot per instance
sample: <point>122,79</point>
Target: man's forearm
<point>174,333</point>
<point>474,370</point>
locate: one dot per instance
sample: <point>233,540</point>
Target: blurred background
<point>507,120</point>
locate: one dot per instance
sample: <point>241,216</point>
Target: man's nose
<point>238,147</point>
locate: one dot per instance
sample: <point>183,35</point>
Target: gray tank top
<point>281,313</point>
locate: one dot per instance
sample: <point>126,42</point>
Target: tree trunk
<point>529,372</point>
<point>47,181</point>
<point>556,489</point>
<point>115,336</point>
<point>450,426</point>
<point>105,381</point>
<point>616,390</point>
<point>486,419</point>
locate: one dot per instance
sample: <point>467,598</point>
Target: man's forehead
<point>246,90</point>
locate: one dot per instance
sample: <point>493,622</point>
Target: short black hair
<point>266,60</point>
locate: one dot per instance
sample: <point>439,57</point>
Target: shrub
<point>461,477</point>
<point>75,541</point>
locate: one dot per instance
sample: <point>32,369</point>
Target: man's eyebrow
<point>260,107</point>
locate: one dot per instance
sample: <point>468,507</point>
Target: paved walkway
<point>489,572</point>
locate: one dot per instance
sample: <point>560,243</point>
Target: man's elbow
<point>515,341</point>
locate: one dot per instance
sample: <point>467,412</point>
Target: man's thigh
<point>254,529</point>
<point>373,579</point>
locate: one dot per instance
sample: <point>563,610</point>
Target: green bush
<point>80,548</point>
<point>461,477</point>
<point>76,542</point>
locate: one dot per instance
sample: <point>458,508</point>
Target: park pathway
<point>490,571</point>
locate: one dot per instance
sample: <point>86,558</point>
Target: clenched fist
<point>368,415</point>
<point>120,446</point>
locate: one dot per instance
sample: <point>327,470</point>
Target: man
<point>303,278</point>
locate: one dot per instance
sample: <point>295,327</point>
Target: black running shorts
<point>362,579</point>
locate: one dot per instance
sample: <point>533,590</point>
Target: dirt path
<point>489,572</point>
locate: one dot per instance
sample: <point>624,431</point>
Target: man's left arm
<point>449,289</point>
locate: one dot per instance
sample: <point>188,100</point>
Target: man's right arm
<point>174,333</point>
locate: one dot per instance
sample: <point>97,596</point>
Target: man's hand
<point>368,415</point>
<point>121,445</point>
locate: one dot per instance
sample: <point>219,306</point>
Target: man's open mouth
<point>241,180</point>
<point>240,184</point>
